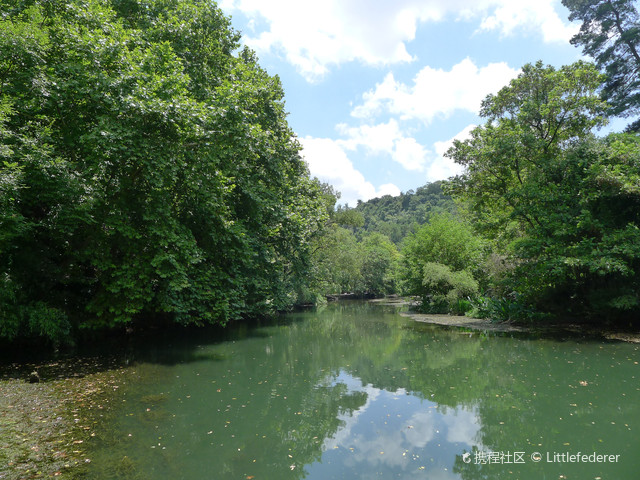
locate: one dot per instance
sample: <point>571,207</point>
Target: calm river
<point>355,391</point>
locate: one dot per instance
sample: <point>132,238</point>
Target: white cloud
<point>435,92</point>
<point>315,35</point>
<point>328,161</point>
<point>385,138</point>
<point>531,15</point>
<point>374,138</point>
<point>442,167</point>
<point>410,154</point>
<point>388,189</point>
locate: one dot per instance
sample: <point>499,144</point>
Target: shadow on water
<point>179,345</point>
<point>172,346</point>
<point>557,333</point>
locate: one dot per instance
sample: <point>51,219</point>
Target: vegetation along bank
<point>148,177</point>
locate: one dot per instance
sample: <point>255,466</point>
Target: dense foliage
<point>345,265</point>
<point>148,175</point>
<point>147,170</point>
<point>610,34</point>
<point>396,217</point>
<point>440,262</point>
<point>359,252</point>
<point>561,206</point>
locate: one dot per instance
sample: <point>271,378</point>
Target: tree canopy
<point>148,175</point>
<point>560,202</point>
<point>398,216</point>
<point>147,170</point>
<point>610,34</point>
<point>511,161</point>
<point>439,262</point>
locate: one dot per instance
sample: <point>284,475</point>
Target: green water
<point>357,391</point>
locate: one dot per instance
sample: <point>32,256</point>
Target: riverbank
<point>487,325</point>
<point>490,326</point>
<point>47,426</point>
<point>464,322</point>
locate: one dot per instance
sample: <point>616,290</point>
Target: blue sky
<point>376,90</point>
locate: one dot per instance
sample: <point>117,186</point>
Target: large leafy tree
<point>610,34</point>
<point>562,204</point>
<point>512,161</point>
<point>147,169</point>
<point>339,259</point>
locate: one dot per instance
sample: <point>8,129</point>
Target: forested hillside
<point>360,250</point>
<point>398,216</point>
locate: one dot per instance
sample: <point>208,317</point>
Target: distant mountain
<point>396,216</point>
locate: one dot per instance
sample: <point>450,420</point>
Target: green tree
<point>513,161</point>
<point>585,258</point>
<point>348,217</point>
<point>610,34</point>
<point>148,169</point>
<point>447,291</point>
<point>339,259</point>
<point>447,242</point>
<point>379,265</point>
<point>398,216</point>
<point>553,196</point>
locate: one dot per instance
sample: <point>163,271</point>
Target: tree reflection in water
<point>356,391</point>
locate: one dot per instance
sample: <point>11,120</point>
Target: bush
<point>446,291</point>
<point>504,309</point>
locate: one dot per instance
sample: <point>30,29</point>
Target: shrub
<point>447,291</point>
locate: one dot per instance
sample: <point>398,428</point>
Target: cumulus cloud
<point>328,161</point>
<point>313,36</point>
<point>386,138</point>
<point>373,138</point>
<point>533,15</point>
<point>410,154</point>
<point>441,167</point>
<point>435,92</point>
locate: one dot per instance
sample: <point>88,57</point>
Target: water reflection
<point>395,435</point>
<point>356,391</point>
